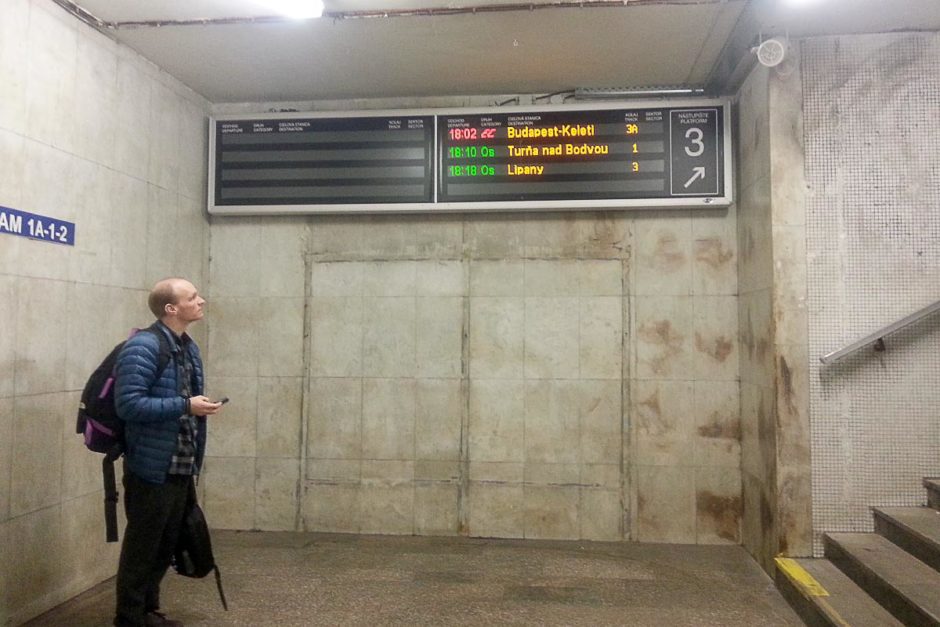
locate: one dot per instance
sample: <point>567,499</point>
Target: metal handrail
<point>880,334</point>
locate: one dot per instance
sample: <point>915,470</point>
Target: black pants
<point>154,516</point>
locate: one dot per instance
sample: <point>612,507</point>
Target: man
<point>165,428</point>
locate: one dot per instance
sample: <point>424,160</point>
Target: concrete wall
<point>772,312</point>
<point>569,375</point>
<point>793,524</point>
<point>640,375</point>
<point>92,134</point>
<point>755,304</point>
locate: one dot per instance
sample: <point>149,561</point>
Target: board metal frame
<point>692,202</point>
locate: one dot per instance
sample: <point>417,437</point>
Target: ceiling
<point>231,51</point>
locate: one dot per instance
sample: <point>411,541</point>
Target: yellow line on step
<point>798,575</point>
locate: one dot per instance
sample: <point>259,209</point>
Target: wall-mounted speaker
<point>771,52</point>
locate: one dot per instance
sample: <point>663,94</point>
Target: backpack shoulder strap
<point>165,353</point>
<point>110,496</point>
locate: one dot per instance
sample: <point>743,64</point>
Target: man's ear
<point>170,309</point>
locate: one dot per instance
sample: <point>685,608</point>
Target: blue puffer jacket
<point>151,407</point>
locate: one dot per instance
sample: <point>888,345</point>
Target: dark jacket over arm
<point>150,403</point>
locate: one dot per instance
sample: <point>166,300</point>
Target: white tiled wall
<point>872,251</point>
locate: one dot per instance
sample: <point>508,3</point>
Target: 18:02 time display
<point>471,133</point>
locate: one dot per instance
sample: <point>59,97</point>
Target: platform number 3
<point>696,147</point>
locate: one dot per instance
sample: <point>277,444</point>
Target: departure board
<point>324,161</point>
<point>580,155</point>
<point>566,157</point>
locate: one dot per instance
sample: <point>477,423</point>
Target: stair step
<point>933,491</point>
<point>900,582</point>
<point>914,529</point>
<point>823,595</point>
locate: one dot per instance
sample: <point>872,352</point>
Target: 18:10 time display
<point>470,152</point>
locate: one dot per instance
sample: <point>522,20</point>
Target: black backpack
<point>193,556</point>
<point>102,428</point>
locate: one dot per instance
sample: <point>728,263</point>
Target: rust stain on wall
<point>767,440</point>
<point>747,335</point>
<point>766,513</point>
<point>786,385</point>
<point>723,511</point>
<point>711,251</point>
<point>758,127</point>
<point>762,347</point>
<point>793,498</point>
<point>650,415</point>
<point>718,350</point>
<point>661,333</point>
<point>667,254</point>
<point>653,404</point>
<point>718,427</point>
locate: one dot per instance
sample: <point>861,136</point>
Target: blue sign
<point>36,227</point>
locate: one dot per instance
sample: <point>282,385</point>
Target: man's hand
<point>202,406</point>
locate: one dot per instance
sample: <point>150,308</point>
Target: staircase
<point>890,577</point>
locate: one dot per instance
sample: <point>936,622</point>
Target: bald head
<point>176,302</point>
<point>162,294</point>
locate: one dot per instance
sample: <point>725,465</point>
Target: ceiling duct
<point>614,93</point>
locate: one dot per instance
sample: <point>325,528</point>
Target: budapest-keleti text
<point>565,130</point>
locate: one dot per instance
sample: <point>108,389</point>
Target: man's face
<point>188,302</point>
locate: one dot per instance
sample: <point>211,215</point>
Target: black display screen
<point>580,155</point>
<point>313,161</point>
<point>558,158</point>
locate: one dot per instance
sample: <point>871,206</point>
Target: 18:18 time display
<point>471,170</point>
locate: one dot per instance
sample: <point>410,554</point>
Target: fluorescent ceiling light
<point>297,9</point>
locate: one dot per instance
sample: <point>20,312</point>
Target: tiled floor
<point>331,579</point>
